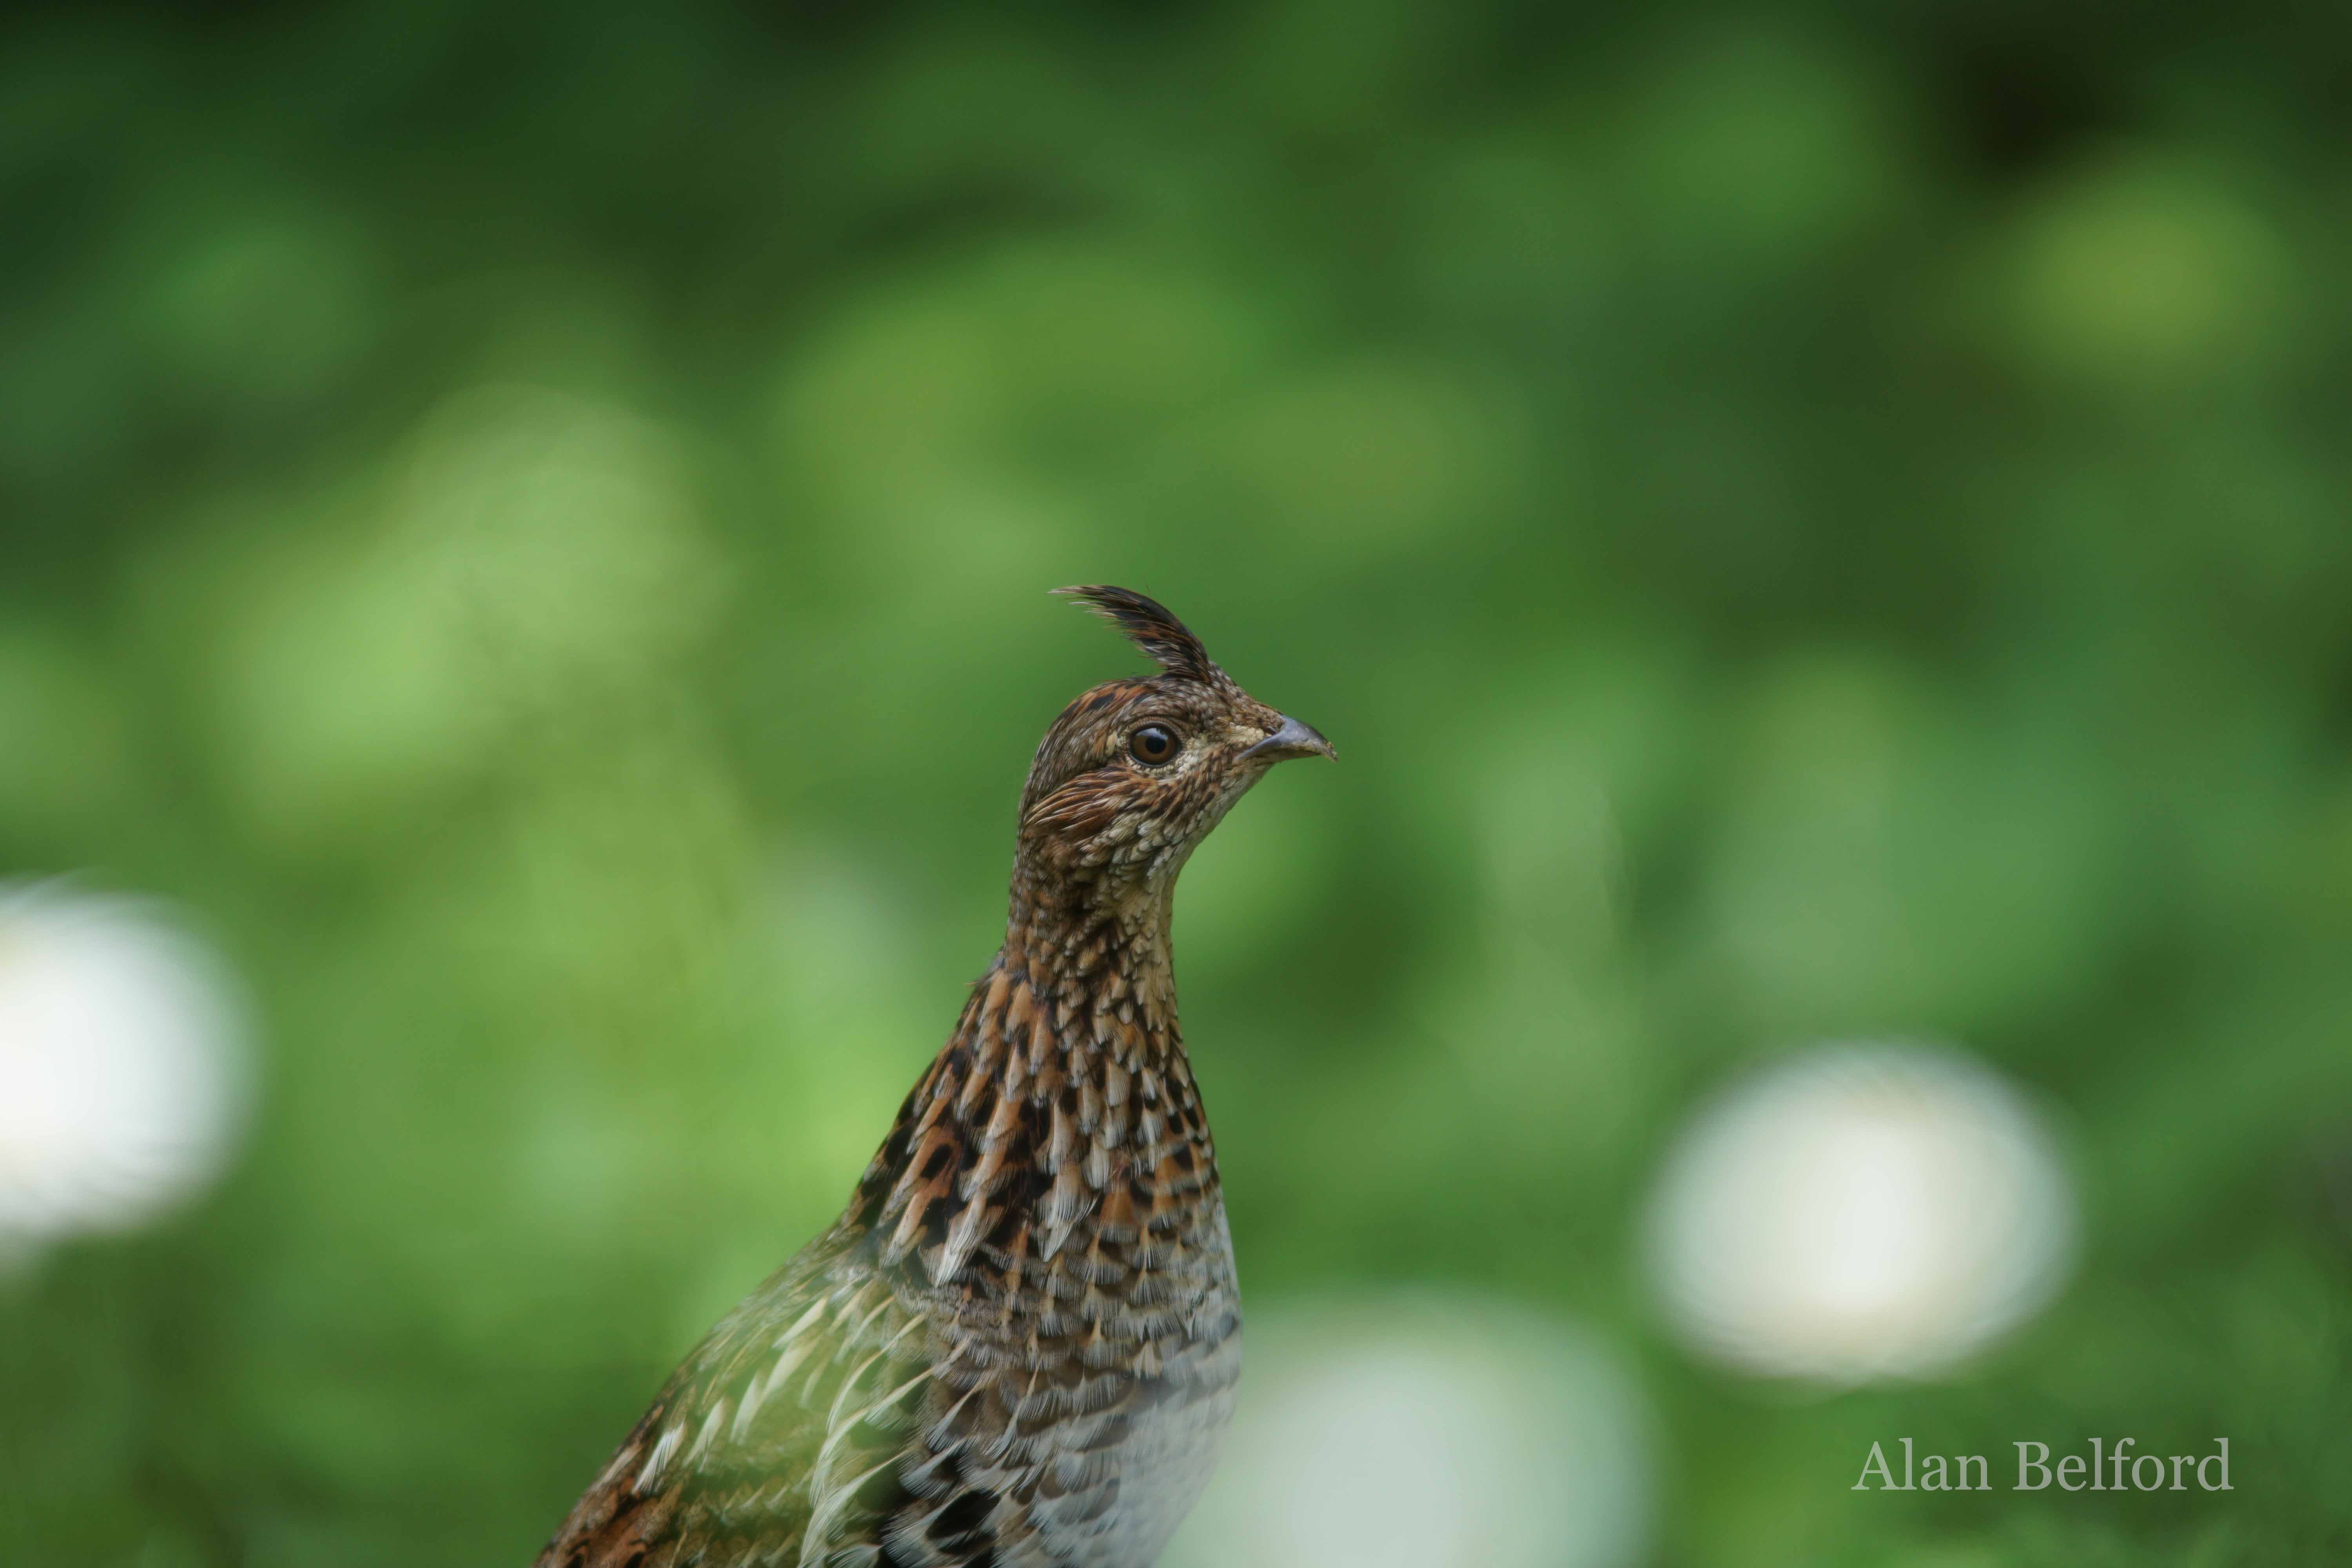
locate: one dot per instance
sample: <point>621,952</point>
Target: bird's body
<point>1018,1346</point>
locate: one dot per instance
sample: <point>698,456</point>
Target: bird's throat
<point>1105,954</point>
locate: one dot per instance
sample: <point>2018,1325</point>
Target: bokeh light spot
<point>1433,1432</point>
<point>2147,271</point>
<point>1860,1212</point>
<point>123,1064</point>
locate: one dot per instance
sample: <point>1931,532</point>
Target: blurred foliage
<point>533,520</point>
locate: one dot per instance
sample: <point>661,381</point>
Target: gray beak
<point>1293,740</point>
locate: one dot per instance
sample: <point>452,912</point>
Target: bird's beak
<point>1293,740</point>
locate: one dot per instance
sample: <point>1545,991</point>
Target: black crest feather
<point>1151,626</point>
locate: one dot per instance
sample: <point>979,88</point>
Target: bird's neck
<point>1097,947</point>
<point>1064,1082</point>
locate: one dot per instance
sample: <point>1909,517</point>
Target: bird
<point>1018,1346</point>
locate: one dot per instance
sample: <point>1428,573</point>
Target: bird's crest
<point>1154,628</point>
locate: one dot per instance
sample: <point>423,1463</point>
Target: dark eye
<point>1154,744</point>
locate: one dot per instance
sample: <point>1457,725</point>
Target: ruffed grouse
<point>1018,1345</point>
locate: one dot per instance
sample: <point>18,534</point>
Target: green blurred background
<point>530,522</point>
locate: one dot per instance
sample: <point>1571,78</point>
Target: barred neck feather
<point>1063,1096</point>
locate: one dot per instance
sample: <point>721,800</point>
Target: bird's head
<point>1134,773</point>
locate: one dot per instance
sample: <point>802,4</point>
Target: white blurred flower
<point>122,1064</point>
<point>1425,1433</point>
<point>1860,1212</point>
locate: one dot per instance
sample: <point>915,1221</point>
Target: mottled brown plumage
<point>1017,1346</point>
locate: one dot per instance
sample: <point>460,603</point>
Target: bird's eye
<point>1154,744</point>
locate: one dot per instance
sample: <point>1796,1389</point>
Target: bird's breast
<point>1098,1391</point>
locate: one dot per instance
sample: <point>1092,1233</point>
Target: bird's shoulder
<point>781,1429</point>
